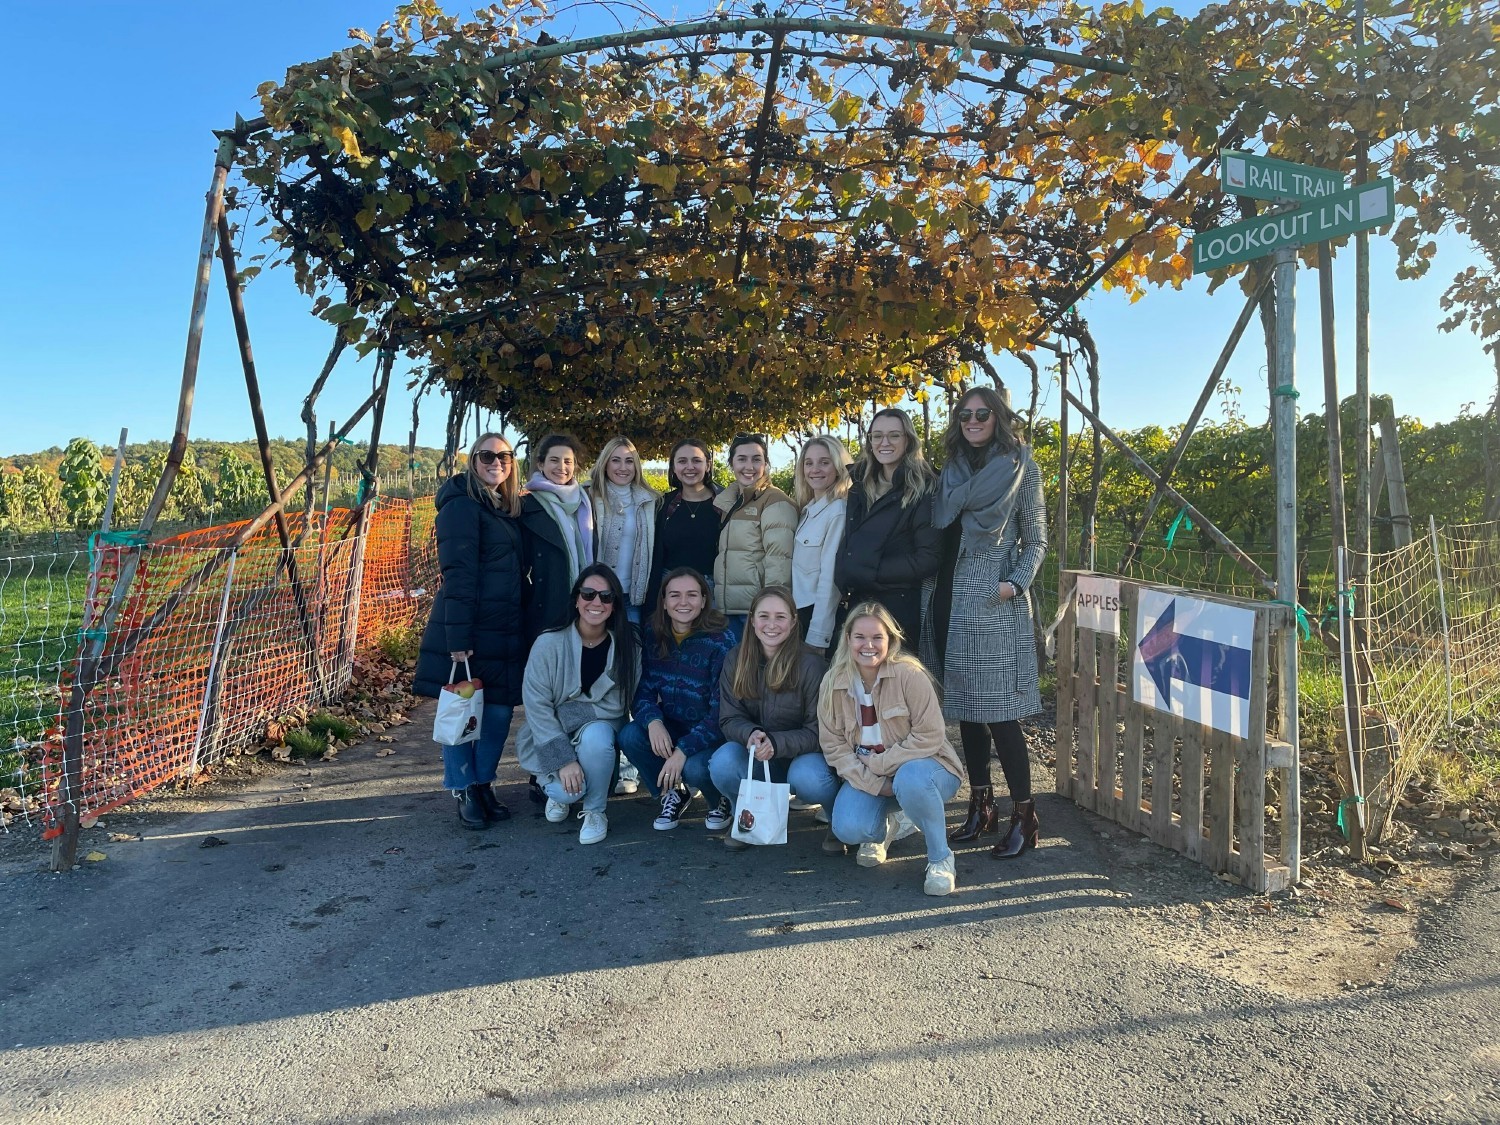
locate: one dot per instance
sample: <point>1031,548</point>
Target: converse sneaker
<point>557,812</point>
<point>674,803</point>
<point>719,819</point>
<point>941,877</point>
<point>596,827</point>
<point>630,777</point>
<point>898,826</point>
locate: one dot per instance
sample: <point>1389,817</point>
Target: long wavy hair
<point>836,449</point>
<point>753,672</point>
<point>912,472</point>
<point>507,497</point>
<point>599,476</point>
<point>710,620</point>
<point>621,635</point>
<point>1008,429</point>
<point>843,667</point>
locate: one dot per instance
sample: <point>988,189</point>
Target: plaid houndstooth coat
<point>989,668</point>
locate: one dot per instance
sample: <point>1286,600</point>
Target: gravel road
<point>349,955</point>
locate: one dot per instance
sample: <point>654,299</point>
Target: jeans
<point>596,754</point>
<point>922,787</point>
<point>635,742</point>
<point>474,763</point>
<point>809,775</point>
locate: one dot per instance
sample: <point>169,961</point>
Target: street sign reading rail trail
<point>1345,212</point>
<point>1264,177</point>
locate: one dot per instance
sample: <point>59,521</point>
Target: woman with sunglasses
<point>624,520</point>
<point>674,728</point>
<point>768,708</point>
<point>989,505</point>
<point>758,524</point>
<point>559,524</point>
<point>687,525</point>
<point>476,623</point>
<point>578,684</point>
<point>890,547</point>
<point>822,483</point>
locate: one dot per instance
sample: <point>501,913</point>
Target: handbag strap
<point>453,672</point>
<point>765,767</point>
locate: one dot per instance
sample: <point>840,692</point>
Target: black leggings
<point>1010,747</point>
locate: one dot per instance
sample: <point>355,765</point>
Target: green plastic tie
<point>1286,390</point>
<point>342,440</point>
<point>134,537</point>
<point>1303,623</point>
<point>1183,521</point>
<point>1344,804</point>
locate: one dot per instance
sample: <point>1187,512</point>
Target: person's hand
<point>460,657</point>
<point>571,776</point>
<point>661,741</point>
<point>761,746</point>
<point>1003,593</point>
<point>671,770</point>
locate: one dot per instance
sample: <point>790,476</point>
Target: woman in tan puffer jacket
<point>757,525</point>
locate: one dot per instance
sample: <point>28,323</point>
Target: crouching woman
<point>577,689</point>
<point>768,707</point>
<point>881,728</point>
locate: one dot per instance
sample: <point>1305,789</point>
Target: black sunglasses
<point>983,414</point>
<point>604,597</point>
<point>490,456</point>
<point>748,439</point>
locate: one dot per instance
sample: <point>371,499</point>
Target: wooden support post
<point>363,516</point>
<point>1067,683</point>
<point>1395,481</point>
<point>310,418</point>
<point>1283,378</point>
<point>1062,473</point>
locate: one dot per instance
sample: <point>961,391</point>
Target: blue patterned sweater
<point>682,689</point>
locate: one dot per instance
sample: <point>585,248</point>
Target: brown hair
<point>710,620</point>
<point>1006,438</point>
<point>918,475</point>
<point>753,673</point>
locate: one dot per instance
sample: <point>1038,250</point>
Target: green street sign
<point>1345,212</point>
<point>1264,177</point>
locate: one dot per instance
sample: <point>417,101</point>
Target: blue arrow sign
<point>1169,655</point>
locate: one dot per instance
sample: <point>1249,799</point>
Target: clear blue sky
<point>108,154</point>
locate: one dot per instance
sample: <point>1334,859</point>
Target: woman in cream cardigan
<point>881,728</point>
<point>624,520</point>
<point>822,483</point>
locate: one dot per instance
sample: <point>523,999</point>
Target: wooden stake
<point>1283,378</point>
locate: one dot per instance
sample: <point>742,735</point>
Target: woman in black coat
<point>890,546</point>
<point>478,617</point>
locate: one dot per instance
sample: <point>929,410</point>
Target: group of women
<point>675,641</point>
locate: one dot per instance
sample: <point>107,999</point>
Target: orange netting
<point>266,631</point>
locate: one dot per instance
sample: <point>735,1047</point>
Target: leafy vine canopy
<point>765,221</point>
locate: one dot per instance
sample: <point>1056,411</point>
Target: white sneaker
<point>596,827</point>
<point>823,816</point>
<point>626,786</point>
<point>557,812</point>
<point>898,826</point>
<point>941,877</point>
<point>797,803</point>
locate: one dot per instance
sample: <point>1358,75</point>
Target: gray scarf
<point>985,497</point>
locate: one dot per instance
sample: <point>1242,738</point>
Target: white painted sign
<point>1191,658</point>
<point>1097,602</point>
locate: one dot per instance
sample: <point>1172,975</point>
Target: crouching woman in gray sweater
<point>577,689</point>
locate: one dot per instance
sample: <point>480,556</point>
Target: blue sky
<point>109,154</point>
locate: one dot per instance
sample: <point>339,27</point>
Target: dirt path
<point>349,955</point>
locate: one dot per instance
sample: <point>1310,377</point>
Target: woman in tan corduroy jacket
<point>881,728</point>
<point>757,526</point>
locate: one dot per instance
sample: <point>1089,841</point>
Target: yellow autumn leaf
<point>350,142</point>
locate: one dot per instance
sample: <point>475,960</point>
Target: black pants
<point>1010,748</point>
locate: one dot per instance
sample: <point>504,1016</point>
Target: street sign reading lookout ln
<point>1324,208</point>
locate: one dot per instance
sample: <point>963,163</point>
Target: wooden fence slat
<point>1192,790</point>
<point>1131,761</point>
<point>1252,751</point>
<point>1088,715</point>
<point>1220,801</point>
<point>1109,698</point>
<point>1066,693</point>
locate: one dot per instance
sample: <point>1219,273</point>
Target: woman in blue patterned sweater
<point>674,728</point>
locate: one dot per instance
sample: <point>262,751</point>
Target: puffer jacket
<point>789,718</point>
<point>756,534</point>
<point>480,604</point>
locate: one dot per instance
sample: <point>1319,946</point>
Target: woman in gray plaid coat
<point>990,505</point>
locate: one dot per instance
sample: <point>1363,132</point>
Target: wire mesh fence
<point>209,644</point>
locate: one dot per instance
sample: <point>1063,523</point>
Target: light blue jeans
<point>474,763</point>
<point>596,754</point>
<point>809,775</point>
<point>922,788</point>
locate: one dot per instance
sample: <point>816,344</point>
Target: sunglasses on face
<point>983,414</point>
<point>603,597</point>
<point>490,456</point>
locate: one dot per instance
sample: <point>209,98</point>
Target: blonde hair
<point>919,477</point>
<point>508,495</point>
<point>842,666</point>
<point>599,474</point>
<point>753,673</point>
<point>802,491</point>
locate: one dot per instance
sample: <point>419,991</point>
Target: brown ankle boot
<point>983,819</point>
<point>1022,834</point>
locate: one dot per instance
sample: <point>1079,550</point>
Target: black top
<point>593,663</point>
<point>687,534</point>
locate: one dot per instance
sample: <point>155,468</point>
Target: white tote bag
<point>760,812</point>
<point>457,719</point>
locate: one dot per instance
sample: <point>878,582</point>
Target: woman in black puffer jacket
<point>478,616</point>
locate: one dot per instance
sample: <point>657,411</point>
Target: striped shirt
<point>870,739</point>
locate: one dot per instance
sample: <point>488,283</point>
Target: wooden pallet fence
<point>1190,787</point>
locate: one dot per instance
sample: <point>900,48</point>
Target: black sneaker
<point>674,803</point>
<point>719,818</point>
<point>534,791</point>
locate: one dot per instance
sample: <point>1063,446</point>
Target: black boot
<point>494,811</point>
<point>534,791</point>
<point>1022,834</point>
<point>471,809</point>
<point>983,818</point>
